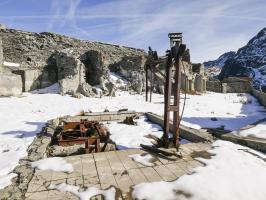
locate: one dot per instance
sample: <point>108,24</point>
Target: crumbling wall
<point>192,77</point>
<point>214,86</point>
<point>229,85</point>
<point>35,53</point>
<point>71,71</point>
<point>235,84</point>
<point>95,67</point>
<point>200,83</point>
<point>10,85</point>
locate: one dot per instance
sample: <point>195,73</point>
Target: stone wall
<point>261,96</point>
<point>214,86</point>
<point>236,87</point>
<point>229,85</point>
<point>10,85</point>
<point>38,56</point>
<point>192,77</point>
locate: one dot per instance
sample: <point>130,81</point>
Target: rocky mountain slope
<point>219,62</point>
<point>249,60</point>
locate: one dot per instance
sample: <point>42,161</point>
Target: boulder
<point>86,89</point>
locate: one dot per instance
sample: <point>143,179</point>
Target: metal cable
<point>185,98</point>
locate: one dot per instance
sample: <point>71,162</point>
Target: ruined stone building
<point>30,61</point>
<point>193,78</point>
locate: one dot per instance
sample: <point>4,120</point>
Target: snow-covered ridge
<point>250,60</point>
<point>219,62</point>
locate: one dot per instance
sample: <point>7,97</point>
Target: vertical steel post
<point>174,55</point>
<point>176,91</point>
<point>167,99</point>
<point>151,84</point>
<point>147,87</point>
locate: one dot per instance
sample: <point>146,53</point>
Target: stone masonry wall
<point>37,54</point>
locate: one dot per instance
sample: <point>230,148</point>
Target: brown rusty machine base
<point>89,133</point>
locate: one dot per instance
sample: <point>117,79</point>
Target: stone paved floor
<point>111,168</point>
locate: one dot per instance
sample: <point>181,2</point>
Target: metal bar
<point>151,86</point>
<point>176,101</point>
<point>147,87</point>
<point>167,98</point>
<point>157,70</point>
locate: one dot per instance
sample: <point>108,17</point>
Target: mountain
<point>220,61</point>
<point>250,60</point>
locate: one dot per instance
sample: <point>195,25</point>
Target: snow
<point>10,64</point>
<point>144,159</point>
<point>235,172</point>
<point>131,136</point>
<point>258,130</point>
<point>118,80</point>
<point>55,163</point>
<point>108,194</point>
<point>6,180</point>
<point>53,89</point>
<point>23,117</point>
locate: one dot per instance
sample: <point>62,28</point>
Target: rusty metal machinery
<point>89,133</point>
<point>151,67</point>
<point>172,79</point>
<point>173,59</point>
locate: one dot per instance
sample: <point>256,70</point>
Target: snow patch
<point>53,89</point>
<point>144,159</point>
<point>258,131</point>
<point>118,80</point>
<point>55,164</point>
<point>108,194</point>
<point>131,136</point>
<point>6,180</point>
<point>10,64</point>
<point>24,117</point>
<point>235,172</point>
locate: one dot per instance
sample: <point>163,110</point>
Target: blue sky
<point>210,27</point>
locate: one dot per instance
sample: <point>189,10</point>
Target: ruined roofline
<point>11,30</point>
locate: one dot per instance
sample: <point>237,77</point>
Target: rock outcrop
<point>219,62</point>
<point>249,61</point>
<point>46,58</point>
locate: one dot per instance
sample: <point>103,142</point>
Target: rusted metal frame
<point>147,86</point>
<point>92,142</point>
<point>82,129</point>
<point>152,82</point>
<point>71,125</point>
<point>176,89</point>
<point>174,54</point>
<point>167,100</point>
<point>157,70</point>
